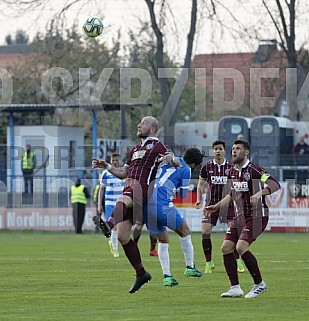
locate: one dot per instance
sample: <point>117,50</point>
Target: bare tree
<point>170,100</point>
<point>278,18</point>
<point>285,28</point>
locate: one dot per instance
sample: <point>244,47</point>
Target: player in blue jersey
<point>161,212</point>
<point>110,188</point>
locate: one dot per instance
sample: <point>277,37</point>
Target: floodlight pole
<point>94,146</point>
<point>12,143</point>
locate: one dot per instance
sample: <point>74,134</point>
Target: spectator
<point>301,158</point>
<point>110,152</point>
<point>27,165</point>
<point>78,197</point>
<point>301,152</point>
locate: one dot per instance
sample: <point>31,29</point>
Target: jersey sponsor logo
<point>138,154</point>
<point>218,180</point>
<point>241,186</point>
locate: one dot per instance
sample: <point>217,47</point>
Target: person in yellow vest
<point>78,197</point>
<point>27,165</point>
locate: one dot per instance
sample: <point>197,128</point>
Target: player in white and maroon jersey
<point>213,176</point>
<point>249,183</point>
<point>139,170</point>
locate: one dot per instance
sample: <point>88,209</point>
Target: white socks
<point>114,241</point>
<point>188,252</point>
<point>164,257</point>
<point>187,248</point>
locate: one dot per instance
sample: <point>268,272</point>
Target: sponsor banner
<point>297,190</point>
<point>279,198</point>
<point>280,220</point>
<point>288,220</point>
<point>193,218</point>
<point>55,219</point>
<point>107,144</point>
<point>188,201</point>
<point>298,195</point>
<point>299,202</point>
<point>42,219</point>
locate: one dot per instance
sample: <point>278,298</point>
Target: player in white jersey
<point>161,212</point>
<point>110,188</point>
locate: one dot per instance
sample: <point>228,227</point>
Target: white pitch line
<point>108,259</point>
<point>18,259</point>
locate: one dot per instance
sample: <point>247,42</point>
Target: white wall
<point>47,141</point>
<point>193,134</point>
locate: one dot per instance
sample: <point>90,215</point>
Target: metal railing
<point>53,191</point>
<point>48,191</point>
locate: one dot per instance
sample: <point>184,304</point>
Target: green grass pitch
<point>63,276</point>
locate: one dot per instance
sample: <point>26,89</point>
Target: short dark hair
<point>218,142</point>
<point>115,155</point>
<point>193,156</point>
<point>243,142</point>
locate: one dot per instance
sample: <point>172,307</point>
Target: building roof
<point>50,107</point>
<point>12,54</point>
<point>232,75</point>
<point>15,49</point>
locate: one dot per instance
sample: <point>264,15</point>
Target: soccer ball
<point>93,27</point>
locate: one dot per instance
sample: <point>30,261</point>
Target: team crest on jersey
<point>247,176</point>
<point>138,154</point>
<point>227,172</point>
<point>149,146</point>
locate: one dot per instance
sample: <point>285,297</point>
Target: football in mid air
<point>93,26</point>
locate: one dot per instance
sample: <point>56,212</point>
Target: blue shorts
<point>108,211</point>
<point>158,217</point>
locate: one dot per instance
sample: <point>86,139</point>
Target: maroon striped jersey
<point>216,177</point>
<point>143,161</point>
<point>244,183</point>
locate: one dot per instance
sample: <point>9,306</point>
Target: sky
<point>124,14</point>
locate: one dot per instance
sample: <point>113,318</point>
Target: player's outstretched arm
<point>120,172</point>
<point>99,163</point>
<point>199,191</point>
<point>213,208</point>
